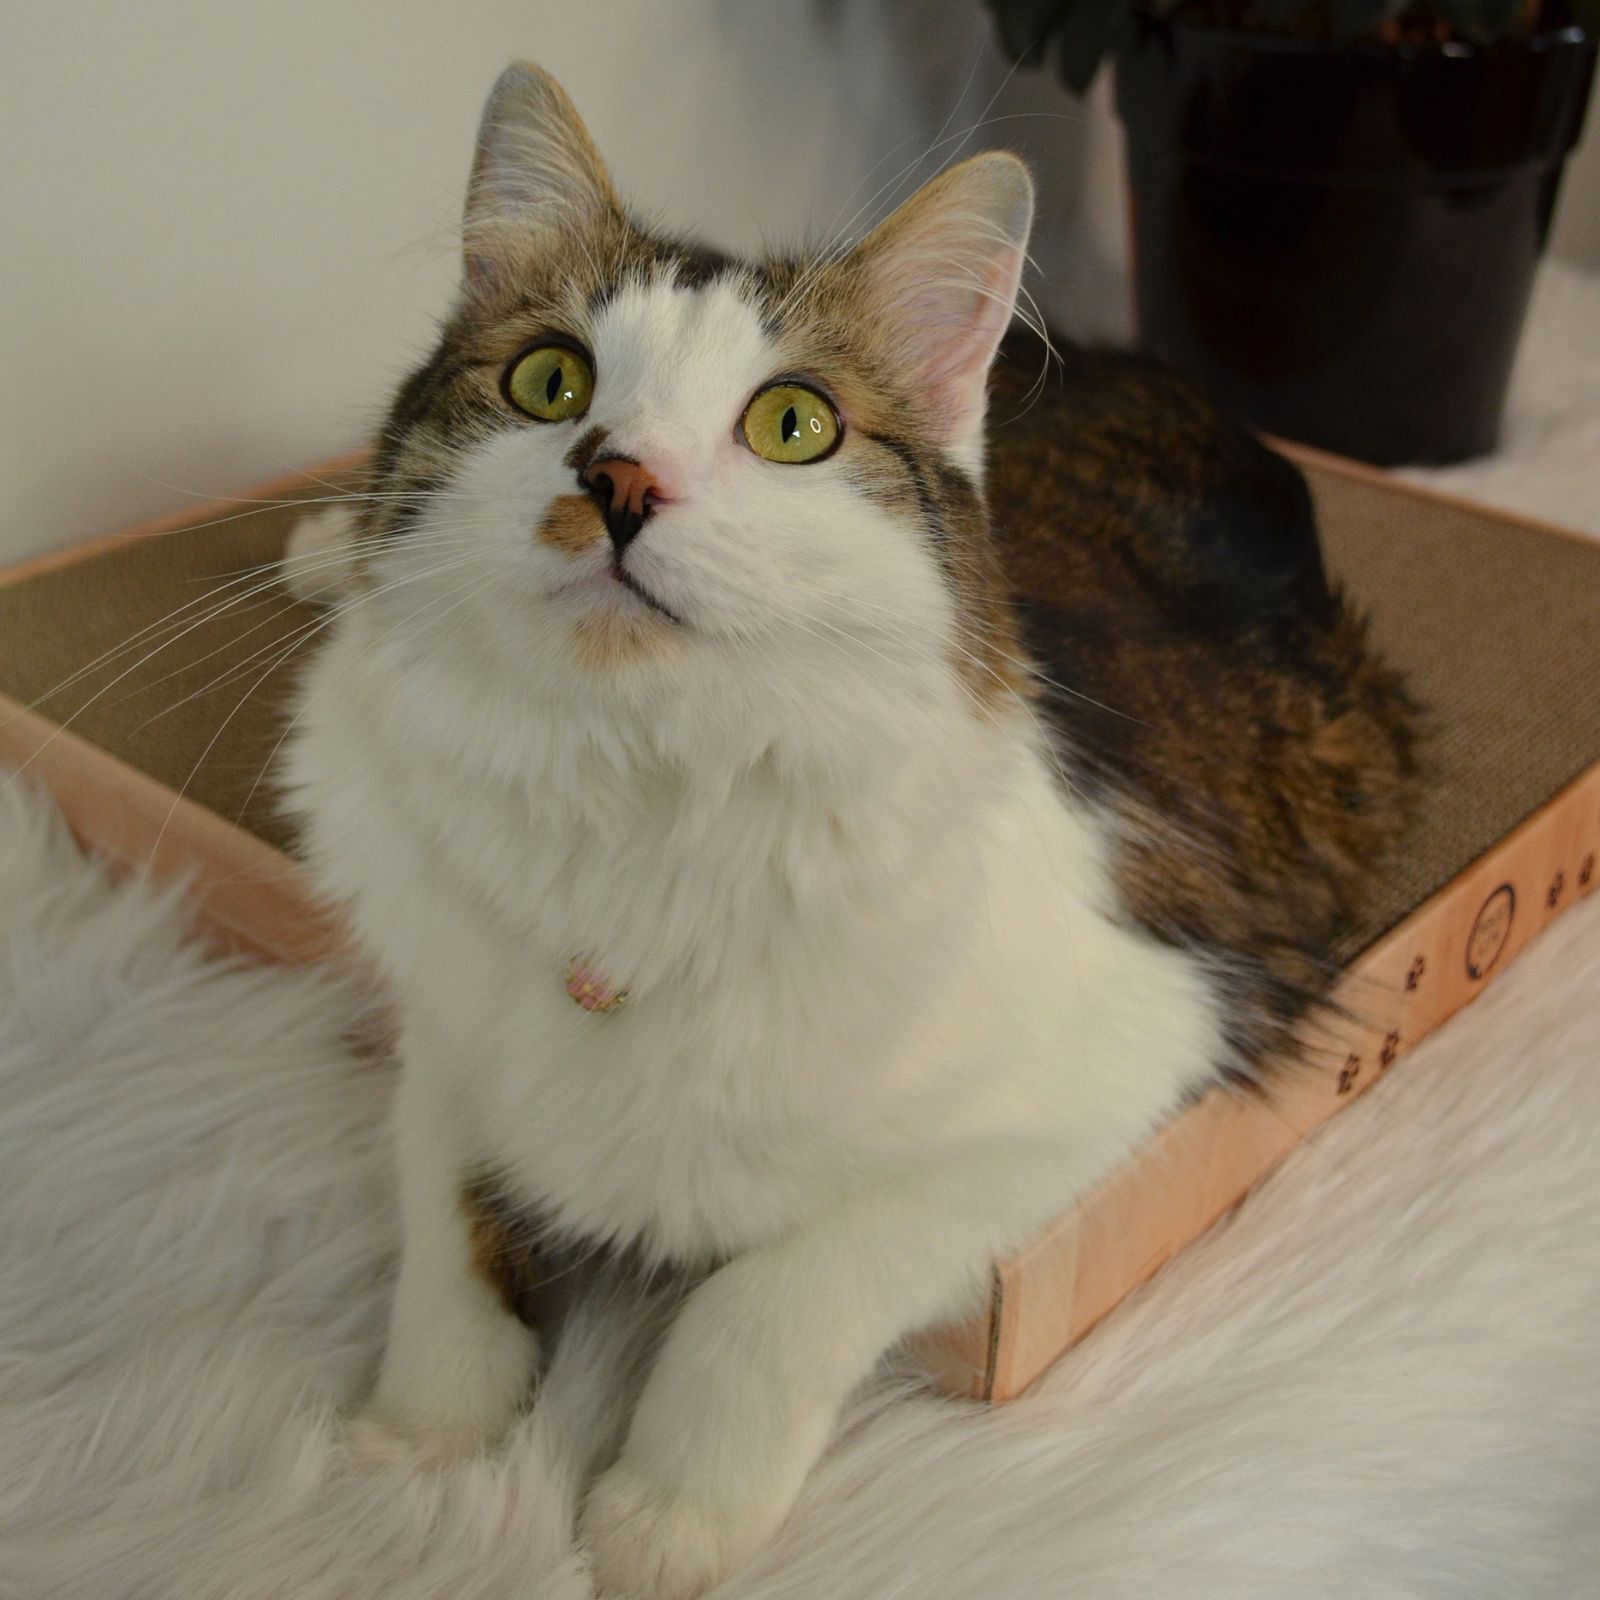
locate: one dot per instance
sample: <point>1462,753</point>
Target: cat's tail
<point>319,561</point>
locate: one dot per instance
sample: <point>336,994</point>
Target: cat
<point>810,840</point>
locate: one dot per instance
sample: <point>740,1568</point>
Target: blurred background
<point>229,229</point>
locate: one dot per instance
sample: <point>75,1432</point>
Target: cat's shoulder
<point>1199,676</point>
<point>1106,463</point>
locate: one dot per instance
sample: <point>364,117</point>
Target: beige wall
<point>1576,234</point>
<point>226,228</point>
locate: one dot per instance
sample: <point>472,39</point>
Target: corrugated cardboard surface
<point>1498,625</point>
<point>175,652</point>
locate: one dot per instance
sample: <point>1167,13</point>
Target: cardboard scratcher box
<point>142,679</point>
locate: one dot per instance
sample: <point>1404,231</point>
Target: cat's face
<point>645,470</point>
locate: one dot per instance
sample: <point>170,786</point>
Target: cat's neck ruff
<point>637,838</point>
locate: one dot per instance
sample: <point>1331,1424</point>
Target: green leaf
<point>1089,29</point>
<point>1025,26</point>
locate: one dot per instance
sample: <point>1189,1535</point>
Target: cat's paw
<point>647,1540</point>
<point>376,1438</point>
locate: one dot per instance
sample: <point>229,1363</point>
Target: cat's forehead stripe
<point>658,335</point>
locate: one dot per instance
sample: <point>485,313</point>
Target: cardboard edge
<point>284,487</point>
<point>962,1359</point>
<point>1420,974</point>
<point>248,898</point>
<point>220,509</point>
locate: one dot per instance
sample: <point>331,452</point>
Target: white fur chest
<point>803,968</point>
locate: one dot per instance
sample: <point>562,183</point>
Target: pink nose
<point>626,492</point>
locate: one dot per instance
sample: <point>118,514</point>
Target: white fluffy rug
<point>1381,1378</point>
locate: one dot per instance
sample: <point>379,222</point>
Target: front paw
<point>647,1540</point>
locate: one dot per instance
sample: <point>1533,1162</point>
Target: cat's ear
<point>536,168</point>
<point>941,276</point>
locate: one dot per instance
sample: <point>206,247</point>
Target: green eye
<point>551,382</point>
<point>791,424</point>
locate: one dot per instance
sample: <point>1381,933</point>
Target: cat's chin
<point>614,591</point>
<point>614,624</point>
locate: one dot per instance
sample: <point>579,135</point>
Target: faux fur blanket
<point>1382,1377</point>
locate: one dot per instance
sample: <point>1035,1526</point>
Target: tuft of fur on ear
<point>942,274</point>
<point>536,168</point>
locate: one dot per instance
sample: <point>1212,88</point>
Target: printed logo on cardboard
<point>1490,931</point>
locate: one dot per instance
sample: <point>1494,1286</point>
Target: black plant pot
<point>1339,241</point>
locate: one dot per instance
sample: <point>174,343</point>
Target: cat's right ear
<point>536,169</point>
<point>941,276</point>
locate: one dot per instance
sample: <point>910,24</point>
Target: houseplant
<point>1337,205</point>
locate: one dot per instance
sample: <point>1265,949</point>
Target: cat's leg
<point>457,1364</point>
<point>751,1377</point>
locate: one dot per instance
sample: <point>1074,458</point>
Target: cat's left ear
<point>536,170</point>
<point>941,276</point>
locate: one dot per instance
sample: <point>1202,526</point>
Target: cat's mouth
<point>600,585</point>
<point>621,574</point>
